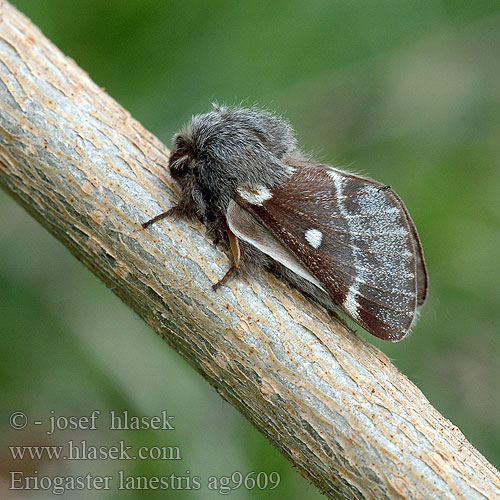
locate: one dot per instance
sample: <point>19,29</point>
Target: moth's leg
<point>235,268</point>
<point>216,240</point>
<point>232,271</point>
<point>168,213</point>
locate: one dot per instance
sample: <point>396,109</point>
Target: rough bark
<point>331,403</point>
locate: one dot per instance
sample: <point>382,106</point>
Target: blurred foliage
<point>407,93</point>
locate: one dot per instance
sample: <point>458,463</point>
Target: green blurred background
<point>405,92</point>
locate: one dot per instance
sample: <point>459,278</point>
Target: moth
<point>346,241</point>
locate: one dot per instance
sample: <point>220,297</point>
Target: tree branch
<point>331,403</point>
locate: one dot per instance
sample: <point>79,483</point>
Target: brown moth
<point>344,240</point>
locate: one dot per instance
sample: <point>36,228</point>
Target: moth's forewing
<point>354,236</point>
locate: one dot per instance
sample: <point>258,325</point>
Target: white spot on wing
<point>255,195</point>
<point>314,237</point>
<point>350,303</point>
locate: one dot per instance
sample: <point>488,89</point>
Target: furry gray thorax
<point>226,148</point>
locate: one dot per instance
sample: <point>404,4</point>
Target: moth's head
<point>182,162</point>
